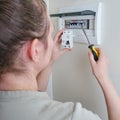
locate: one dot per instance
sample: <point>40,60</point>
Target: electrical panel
<point>71,20</point>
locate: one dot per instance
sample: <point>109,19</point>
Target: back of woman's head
<point>20,21</point>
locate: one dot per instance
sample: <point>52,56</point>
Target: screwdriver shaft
<point>85,34</point>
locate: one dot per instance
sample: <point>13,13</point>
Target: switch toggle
<point>76,24</point>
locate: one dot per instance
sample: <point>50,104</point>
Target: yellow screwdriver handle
<point>94,51</point>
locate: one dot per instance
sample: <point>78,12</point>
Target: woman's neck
<point>12,82</point>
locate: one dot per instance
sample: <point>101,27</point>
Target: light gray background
<point>72,76</point>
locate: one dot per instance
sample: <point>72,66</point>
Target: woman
<point>27,53</point>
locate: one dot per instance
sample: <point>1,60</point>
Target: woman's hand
<point>57,50</point>
<point>99,68</point>
<point>43,76</point>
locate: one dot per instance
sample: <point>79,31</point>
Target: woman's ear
<point>36,50</point>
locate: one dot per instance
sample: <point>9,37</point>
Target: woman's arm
<point>44,75</point>
<point>100,71</point>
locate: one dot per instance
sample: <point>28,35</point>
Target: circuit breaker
<point>67,39</point>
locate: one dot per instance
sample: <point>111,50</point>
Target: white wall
<point>72,77</point>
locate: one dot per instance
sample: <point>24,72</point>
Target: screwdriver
<point>91,46</point>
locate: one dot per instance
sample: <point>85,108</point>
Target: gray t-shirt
<point>33,105</point>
